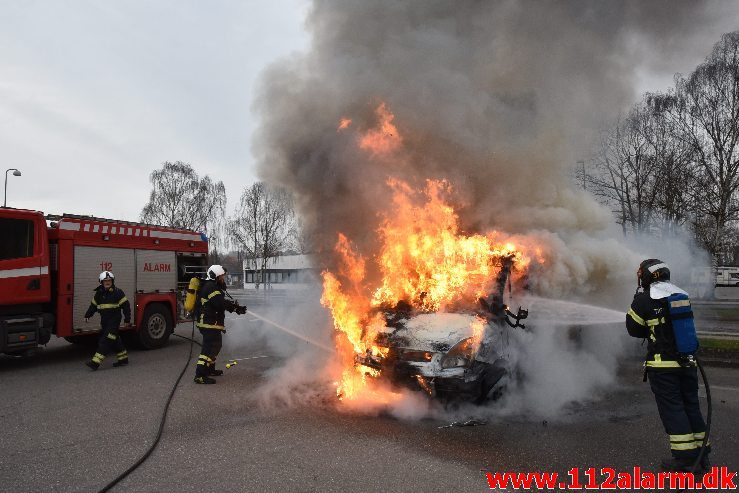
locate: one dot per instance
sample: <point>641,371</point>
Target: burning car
<point>450,356</point>
<point>419,301</point>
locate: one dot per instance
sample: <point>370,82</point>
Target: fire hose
<point>708,420</point>
<point>162,421</point>
<point>165,411</point>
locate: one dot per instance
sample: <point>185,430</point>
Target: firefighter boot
<point>202,370</point>
<point>705,463</point>
<point>94,363</point>
<point>122,359</point>
<point>204,380</point>
<point>212,372</point>
<point>678,465</point>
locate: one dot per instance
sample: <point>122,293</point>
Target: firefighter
<point>212,306</point>
<point>109,301</point>
<point>672,376</point>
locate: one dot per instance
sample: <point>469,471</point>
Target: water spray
<point>292,332</point>
<point>235,361</point>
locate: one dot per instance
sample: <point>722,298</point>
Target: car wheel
<point>156,327</point>
<point>490,378</point>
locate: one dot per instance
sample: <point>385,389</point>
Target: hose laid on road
<point>188,339</point>
<point>163,420</point>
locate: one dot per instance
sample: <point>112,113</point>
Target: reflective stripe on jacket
<point>648,318</point>
<point>110,303</point>
<point>212,306</point>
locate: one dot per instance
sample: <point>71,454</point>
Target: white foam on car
<point>426,329</point>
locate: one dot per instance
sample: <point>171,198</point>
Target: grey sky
<point>94,95</point>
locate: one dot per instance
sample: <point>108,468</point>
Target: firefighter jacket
<point>212,306</point>
<point>110,303</point>
<point>648,318</point>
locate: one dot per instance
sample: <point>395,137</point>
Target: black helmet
<point>652,270</point>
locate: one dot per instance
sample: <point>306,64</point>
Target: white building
<point>282,272</point>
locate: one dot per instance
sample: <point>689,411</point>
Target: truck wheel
<point>155,328</point>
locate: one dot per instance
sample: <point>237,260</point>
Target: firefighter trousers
<point>212,342</point>
<point>676,393</point>
<point>109,341</point>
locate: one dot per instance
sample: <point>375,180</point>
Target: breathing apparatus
<point>214,273</point>
<point>191,295</point>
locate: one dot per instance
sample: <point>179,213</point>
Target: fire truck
<point>49,267</point>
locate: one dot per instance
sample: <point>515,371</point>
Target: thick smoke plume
<point>500,98</point>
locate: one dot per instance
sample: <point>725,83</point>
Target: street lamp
<point>16,172</point>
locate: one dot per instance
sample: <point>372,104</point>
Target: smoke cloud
<point>500,98</point>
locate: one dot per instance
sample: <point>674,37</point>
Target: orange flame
<point>344,124</point>
<point>478,330</point>
<point>424,260</point>
<point>385,138</point>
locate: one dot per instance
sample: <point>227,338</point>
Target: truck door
<point>88,263</point>
<point>24,258</point>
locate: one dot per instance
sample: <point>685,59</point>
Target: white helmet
<point>106,274</point>
<point>214,271</point>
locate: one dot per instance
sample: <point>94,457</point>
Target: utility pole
<point>16,172</point>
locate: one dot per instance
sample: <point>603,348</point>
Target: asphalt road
<point>64,428</point>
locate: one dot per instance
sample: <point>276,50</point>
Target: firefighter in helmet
<point>212,307</point>
<point>672,375</point>
<point>110,302</point>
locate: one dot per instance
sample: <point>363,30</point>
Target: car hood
<point>434,331</point>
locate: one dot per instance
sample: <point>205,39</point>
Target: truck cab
<point>25,283</point>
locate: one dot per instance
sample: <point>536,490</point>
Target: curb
<point>719,357</point>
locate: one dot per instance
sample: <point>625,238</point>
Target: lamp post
<point>16,172</point>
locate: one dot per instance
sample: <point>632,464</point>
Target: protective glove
<point>230,305</point>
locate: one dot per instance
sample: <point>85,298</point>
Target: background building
<point>282,272</point>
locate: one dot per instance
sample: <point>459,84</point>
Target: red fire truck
<point>49,266</point>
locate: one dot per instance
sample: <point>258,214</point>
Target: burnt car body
<point>443,354</point>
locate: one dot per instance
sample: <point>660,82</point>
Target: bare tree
<point>299,238</point>
<point>625,174</point>
<point>644,171</point>
<point>261,224</point>
<point>706,106</point>
<point>673,159</point>
<point>181,199</point>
